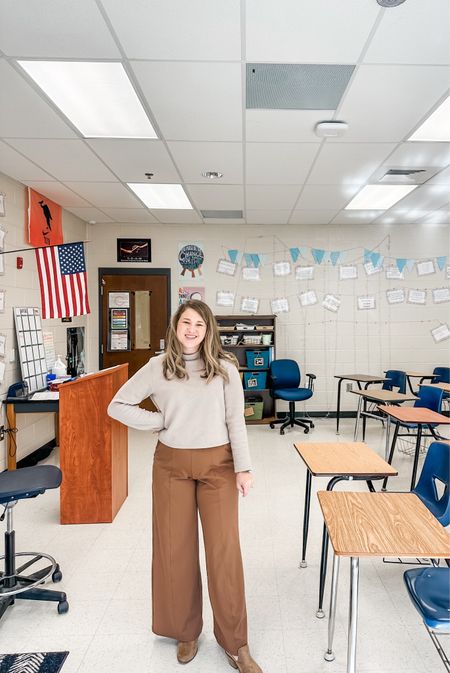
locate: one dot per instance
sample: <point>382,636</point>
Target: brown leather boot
<point>186,651</point>
<point>245,662</point>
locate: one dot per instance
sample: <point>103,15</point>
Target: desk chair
<point>435,477</point>
<point>285,381</point>
<point>15,485</point>
<point>429,591</point>
<point>395,378</point>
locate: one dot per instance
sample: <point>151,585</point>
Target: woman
<point>201,463</point>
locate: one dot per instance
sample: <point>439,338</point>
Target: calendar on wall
<point>30,345</point>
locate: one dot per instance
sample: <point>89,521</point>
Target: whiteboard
<point>30,346</point>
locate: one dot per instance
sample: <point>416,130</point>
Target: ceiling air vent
<point>401,175</point>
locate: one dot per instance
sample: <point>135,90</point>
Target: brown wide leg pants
<point>187,481</point>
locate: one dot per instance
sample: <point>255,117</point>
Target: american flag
<point>63,282</point>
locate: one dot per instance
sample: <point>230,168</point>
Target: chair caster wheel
<point>320,614</point>
<point>271,425</point>
<point>63,607</point>
<point>303,564</point>
<point>329,656</point>
<point>306,430</point>
<point>312,425</point>
<point>57,576</point>
<point>281,432</point>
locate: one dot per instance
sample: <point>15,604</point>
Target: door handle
<point>159,352</point>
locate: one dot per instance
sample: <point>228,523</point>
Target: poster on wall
<point>44,220</point>
<point>185,293</point>
<point>191,258</point>
<point>134,250</point>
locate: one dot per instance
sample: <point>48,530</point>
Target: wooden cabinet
<point>252,339</point>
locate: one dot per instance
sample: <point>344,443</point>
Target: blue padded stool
<point>28,482</point>
<point>429,591</point>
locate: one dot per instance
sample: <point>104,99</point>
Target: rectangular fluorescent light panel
<point>437,127</point>
<point>379,197</point>
<point>170,197</point>
<point>98,98</point>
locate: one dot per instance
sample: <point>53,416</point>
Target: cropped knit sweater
<point>192,414</point>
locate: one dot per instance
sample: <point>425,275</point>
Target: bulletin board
<point>30,346</point>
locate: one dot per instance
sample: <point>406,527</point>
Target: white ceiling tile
<point>284,125</point>
<point>64,159</point>
<point>267,216</point>
<point>385,102</point>
<point>16,166</point>
<point>23,113</point>
<point>216,197</point>
<point>355,217</point>
<point>310,32</point>
<point>178,30</point>
<point>348,163</point>
<point>279,163</point>
<point>442,178</point>
<point>426,197</point>
<point>271,197</point>
<point>312,216</point>
<point>401,34</point>
<point>326,197</point>
<point>194,158</point>
<point>401,217</point>
<point>90,214</point>
<point>57,28</point>
<point>105,194</point>
<point>441,216</point>
<point>131,159</point>
<point>416,155</point>
<point>194,103</point>
<point>135,215</point>
<point>58,193</point>
<point>178,216</point>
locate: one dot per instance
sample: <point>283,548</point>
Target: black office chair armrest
<point>311,378</point>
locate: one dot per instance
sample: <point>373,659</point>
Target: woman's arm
<point>124,405</point>
<point>234,418</point>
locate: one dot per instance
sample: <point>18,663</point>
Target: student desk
<point>420,416</point>
<point>442,386</point>
<point>371,525</point>
<point>386,396</point>
<point>340,461</point>
<point>359,378</point>
<point>24,405</point>
<point>417,375</point>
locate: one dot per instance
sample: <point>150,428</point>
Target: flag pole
<point>40,247</point>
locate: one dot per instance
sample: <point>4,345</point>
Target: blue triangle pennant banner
<point>232,254</point>
<point>410,264</point>
<point>401,263</point>
<point>317,255</point>
<point>441,262</point>
<point>334,257</point>
<point>367,255</point>
<point>375,258</point>
<point>255,260</point>
<point>248,259</point>
<point>295,252</point>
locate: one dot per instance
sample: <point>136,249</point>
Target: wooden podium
<point>93,448</point>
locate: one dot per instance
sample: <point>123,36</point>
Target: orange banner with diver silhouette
<point>44,220</point>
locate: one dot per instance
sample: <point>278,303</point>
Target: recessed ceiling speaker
<point>390,3</point>
<point>331,129</point>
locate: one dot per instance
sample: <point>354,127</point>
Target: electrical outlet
<point>349,387</point>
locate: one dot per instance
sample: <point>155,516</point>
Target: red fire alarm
<point>19,262</point>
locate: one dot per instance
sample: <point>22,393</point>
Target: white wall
<point>22,289</point>
<point>322,342</point>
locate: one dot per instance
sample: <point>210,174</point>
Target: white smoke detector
<point>330,129</point>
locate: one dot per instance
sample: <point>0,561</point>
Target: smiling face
<point>191,331</point>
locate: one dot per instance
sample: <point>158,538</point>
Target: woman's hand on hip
<point>244,482</point>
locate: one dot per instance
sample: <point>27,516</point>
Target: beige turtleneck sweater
<point>192,414</point>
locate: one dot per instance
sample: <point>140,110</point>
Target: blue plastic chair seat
<point>429,590</point>
<point>293,394</point>
<point>28,482</point>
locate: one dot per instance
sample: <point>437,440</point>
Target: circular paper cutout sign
<point>191,258</point>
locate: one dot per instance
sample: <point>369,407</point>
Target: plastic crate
<point>257,359</point>
<point>255,380</point>
<point>254,408</point>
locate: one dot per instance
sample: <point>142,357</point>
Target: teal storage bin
<point>257,359</point>
<point>255,380</point>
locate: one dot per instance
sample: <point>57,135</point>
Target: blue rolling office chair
<point>285,381</point>
<point>429,591</point>
<point>28,482</point>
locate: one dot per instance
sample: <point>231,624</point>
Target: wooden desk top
<point>443,386</point>
<point>384,395</point>
<point>343,458</point>
<point>362,378</point>
<point>414,414</point>
<point>420,375</point>
<point>382,524</point>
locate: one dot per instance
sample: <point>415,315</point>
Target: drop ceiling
<point>188,63</point>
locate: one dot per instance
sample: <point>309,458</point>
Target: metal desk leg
<point>358,416</point>
<point>388,432</point>
<point>391,452</point>
<point>338,405</point>
<point>329,655</point>
<point>324,553</point>
<point>353,614</point>
<point>303,563</point>
<point>416,455</point>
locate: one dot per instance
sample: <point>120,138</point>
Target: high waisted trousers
<point>185,482</point>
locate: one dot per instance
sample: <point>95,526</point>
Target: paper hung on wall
<point>2,345</point>
<point>366,303</point>
<point>185,293</point>
<point>304,272</point>
<point>447,272</point>
<point>249,304</point>
<point>2,238</point>
<point>370,269</point>
<point>191,258</point>
<point>224,298</point>
<point>226,267</point>
<point>395,296</point>
<point>281,268</point>
<point>308,298</point>
<point>280,305</point>
<point>2,371</point>
<point>251,273</point>
<point>425,268</point>
<point>417,297</point>
<point>331,303</point>
<point>348,272</point>
<point>393,272</point>
<point>440,333</point>
<point>2,301</point>
<point>2,264</point>
<point>441,294</point>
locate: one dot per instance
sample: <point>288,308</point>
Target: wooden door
<point>134,315</point>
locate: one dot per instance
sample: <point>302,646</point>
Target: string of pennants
<point>321,256</point>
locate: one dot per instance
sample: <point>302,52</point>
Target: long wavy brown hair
<point>211,350</point>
